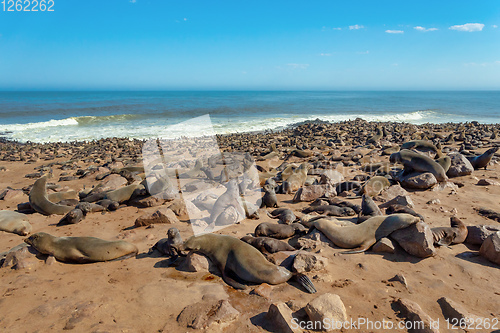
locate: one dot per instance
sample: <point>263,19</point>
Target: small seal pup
<point>267,245</point>
<point>172,245</point>
<point>455,234</point>
<point>285,215</point>
<point>418,162</point>
<point>360,237</point>
<point>241,263</point>
<point>40,202</point>
<point>81,250</point>
<point>14,222</point>
<point>279,231</point>
<point>482,160</point>
<point>330,210</point>
<point>368,209</point>
<point>269,199</point>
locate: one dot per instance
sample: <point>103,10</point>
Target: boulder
<point>460,166</point>
<point>403,200</point>
<point>454,311</point>
<point>331,177</point>
<point>491,248</point>
<point>416,239</point>
<point>412,312</point>
<point>392,192</point>
<point>308,262</point>
<point>327,308</point>
<point>313,192</point>
<point>113,182</point>
<point>280,315</point>
<point>383,245</point>
<point>204,314</point>
<point>419,181</point>
<point>160,215</point>
<point>476,234</point>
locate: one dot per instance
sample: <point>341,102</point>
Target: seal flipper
<point>230,281</point>
<point>359,249</point>
<point>305,282</point>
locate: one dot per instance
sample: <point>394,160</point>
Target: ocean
<point>78,116</point>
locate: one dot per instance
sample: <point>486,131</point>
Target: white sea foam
<point>85,128</point>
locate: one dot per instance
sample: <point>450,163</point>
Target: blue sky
<point>255,45</point>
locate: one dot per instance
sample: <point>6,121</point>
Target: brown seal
<point>368,209</point>
<point>284,215</point>
<point>360,237</point>
<point>241,263</point>
<point>415,161</point>
<point>40,202</point>
<point>14,222</point>
<point>269,199</point>
<point>482,160</point>
<point>81,249</point>
<point>279,231</point>
<point>267,245</point>
<point>330,210</point>
<point>455,234</point>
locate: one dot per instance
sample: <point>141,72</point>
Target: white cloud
<point>297,66</point>
<point>363,52</point>
<point>355,27</point>
<point>494,26</point>
<point>132,1</point>
<point>336,28</point>
<point>321,54</point>
<point>395,31</point>
<point>469,27</point>
<point>419,28</point>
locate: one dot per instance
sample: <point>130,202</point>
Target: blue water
<point>68,116</point>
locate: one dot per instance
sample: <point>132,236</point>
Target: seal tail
<point>305,282</point>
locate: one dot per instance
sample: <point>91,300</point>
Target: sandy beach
<point>143,294</point>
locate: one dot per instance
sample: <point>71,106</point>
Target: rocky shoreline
<point>351,171</point>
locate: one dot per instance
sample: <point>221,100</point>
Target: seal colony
<point>326,194</point>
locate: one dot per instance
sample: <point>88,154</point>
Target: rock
<point>206,313</point>
<point>21,258</point>
<point>460,166</point>
<point>313,192</point>
<point>433,202</point>
<point>313,240</point>
<point>10,194</point>
<point>491,248</point>
<point>331,177</point>
<point>419,181</point>
<point>281,316</point>
<point>400,278</point>
<point>307,262</point>
<point>113,182</point>
<point>446,185</point>
<point>147,202</point>
<point>454,311</point>
<point>384,245</point>
<point>403,200</point>
<point>50,260</point>
<point>416,240</point>
<point>327,308</point>
<point>264,290</point>
<point>476,234</point>
<point>179,207</point>
<point>412,312</point>
<point>487,182</point>
<point>195,262</point>
<point>392,192</point>
<point>161,215</point>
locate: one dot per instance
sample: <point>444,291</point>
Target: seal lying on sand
<point>14,222</point>
<point>285,215</point>
<point>455,234</point>
<point>267,244</point>
<point>482,160</point>
<point>40,202</point>
<point>241,263</point>
<point>360,237</point>
<point>418,162</point>
<point>279,231</point>
<point>81,249</point>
